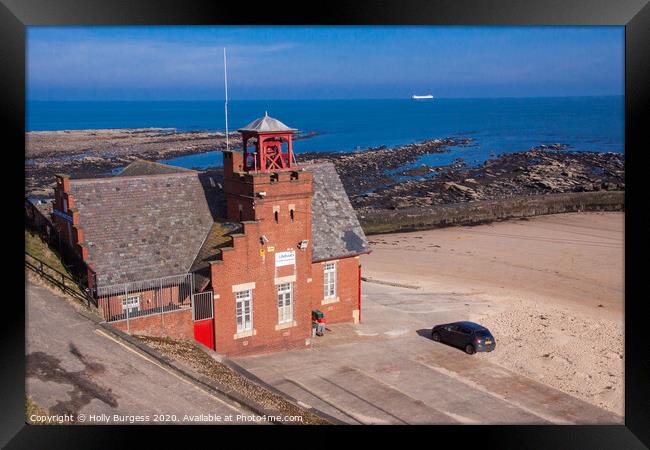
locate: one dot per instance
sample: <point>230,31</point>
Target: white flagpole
<point>225,79</point>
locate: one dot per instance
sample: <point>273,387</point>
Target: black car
<point>469,336</point>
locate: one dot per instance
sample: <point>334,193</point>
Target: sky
<point>186,63</point>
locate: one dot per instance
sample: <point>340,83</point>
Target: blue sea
<point>496,125</point>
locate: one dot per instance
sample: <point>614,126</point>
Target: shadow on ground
<point>48,368</point>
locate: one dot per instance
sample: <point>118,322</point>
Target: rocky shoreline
<point>376,179</point>
<point>542,170</point>
<point>96,153</point>
<point>368,170</point>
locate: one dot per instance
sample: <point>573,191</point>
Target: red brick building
<point>238,260</point>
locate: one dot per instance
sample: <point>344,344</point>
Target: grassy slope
<point>35,246</point>
<point>38,248</point>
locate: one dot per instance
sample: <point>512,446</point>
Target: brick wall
<point>282,214</point>
<point>244,263</point>
<point>342,307</point>
<point>112,305</point>
<point>176,324</point>
<point>69,230</point>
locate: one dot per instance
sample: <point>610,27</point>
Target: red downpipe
<point>359,293</point>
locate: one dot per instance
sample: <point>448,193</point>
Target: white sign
<point>285,258</point>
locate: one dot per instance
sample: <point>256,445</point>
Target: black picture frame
<point>15,15</point>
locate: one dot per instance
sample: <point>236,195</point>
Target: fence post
<point>126,294</point>
<point>162,306</point>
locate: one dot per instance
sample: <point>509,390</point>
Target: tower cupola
<point>267,146</point>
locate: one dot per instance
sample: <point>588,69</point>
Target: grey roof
<point>155,225</point>
<point>217,238</point>
<point>266,123</point>
<point>336,232</point>
<point>144,167</point>
<point>143,227</point>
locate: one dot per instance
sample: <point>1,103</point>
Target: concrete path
<point>386,370</point>
<point>75,367</point>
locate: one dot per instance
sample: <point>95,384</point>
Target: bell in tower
<point>271,149</point>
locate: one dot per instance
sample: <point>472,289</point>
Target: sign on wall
<point>285,258</point>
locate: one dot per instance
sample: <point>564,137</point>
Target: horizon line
<point>317,99</point>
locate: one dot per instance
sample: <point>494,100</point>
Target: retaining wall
<point>473,213</point>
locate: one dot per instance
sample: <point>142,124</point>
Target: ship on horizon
<point>422,97</point>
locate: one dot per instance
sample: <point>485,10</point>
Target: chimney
<point>232,162</point>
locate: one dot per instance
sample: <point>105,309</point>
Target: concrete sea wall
<point>474,213</point>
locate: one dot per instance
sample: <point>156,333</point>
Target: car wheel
<point>469,349</point>
<point>435,336</point>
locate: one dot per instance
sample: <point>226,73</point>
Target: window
<point>131,303</point>
<point>291,214</point>
<point>276,214</point>
<point>330,280</point>
<point>244,310</point>
<point>65,205</point>
<point>285,303</point>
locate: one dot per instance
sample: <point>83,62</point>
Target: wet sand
<point>555,284</point>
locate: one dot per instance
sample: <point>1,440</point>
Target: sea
<point>495,125</point>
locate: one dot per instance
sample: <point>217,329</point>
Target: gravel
<point>186,352</point>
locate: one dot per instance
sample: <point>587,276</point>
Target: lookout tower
<point>271,141</point>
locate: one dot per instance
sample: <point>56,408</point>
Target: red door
<point>204,332</point>
<point>203,317</point>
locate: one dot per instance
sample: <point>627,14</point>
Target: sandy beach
<point>554,288</point>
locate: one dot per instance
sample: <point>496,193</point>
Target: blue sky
<point>186,63</point>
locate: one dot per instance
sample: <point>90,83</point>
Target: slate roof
<point>336,231</point>
<point>144,227</point>
<point>143,167</point>
<point>155,224</point>
<point>216,239</point>
<point>266,123</point>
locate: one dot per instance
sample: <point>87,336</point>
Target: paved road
<point>75,367</point>
<point>386,370</point>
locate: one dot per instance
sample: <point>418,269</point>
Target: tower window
<point>277,217</point>
<point>291,214</point>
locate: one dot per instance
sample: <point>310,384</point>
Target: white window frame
<point>285,309</point>
<point>329,280</point>
<point>241,298</point>
<point>129,303</point>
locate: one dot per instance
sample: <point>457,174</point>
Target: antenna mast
<point>225,79</point>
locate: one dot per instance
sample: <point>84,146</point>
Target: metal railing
<point>125,301</point>
<point>38,223</point>
<point>202,306</point>
<point>66,283</point>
